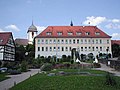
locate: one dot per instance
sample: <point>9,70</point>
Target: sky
<point>16,15</point>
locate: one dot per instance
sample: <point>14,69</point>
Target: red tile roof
<point>23,42</point>
<point>73,29</point>
<point>4,37</point>
<point>115,42</point>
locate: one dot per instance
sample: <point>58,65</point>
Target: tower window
<point>38,48</point>
<point>42,48</point>
<point>38,41</point>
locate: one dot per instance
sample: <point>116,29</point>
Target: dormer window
<point>70,33</point>
<point>97,33</point>
<point>48,33</point>
<point>87,33</point>
<point>78,33</point>
<point>59,33</point>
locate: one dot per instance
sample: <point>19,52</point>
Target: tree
<point>115,50</point>
<point>20,53</point>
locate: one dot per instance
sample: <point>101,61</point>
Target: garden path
<point>108,69</point>
<point>15,79</point>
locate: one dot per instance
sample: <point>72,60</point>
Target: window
<point>70,48</point>
<point>50,41</point>
<point>42,48</point>
<point>85,41</point>
<point>58,48</point>
<point>107,41</point>
<point>93,48</point>
<point>73,41</point>
<point>54,48</point>
<point>100,41</point>
<point>54,41</point>
<point>62,48</point>
<point>48,33</point>
<point>100,48</point>
<point>46,48</point>
<point>58,41</point>
<point>38,55</point>
<point>66,41</point>
<point>70,33</point>
<point>66,48</point>
<point>78,33</point>
<point>59,33</point>
<point>77,41</point>
<point>107,49</point>
<point>89,48</point>
<point>81,48</point>
<point>42,41</point>
<point>81,41</point>
<point>97,33</point>
<point>96,48</point>
<point>85,48</point>
<point>93,41</point>
<point>46,41</point>
<point>50,48</point>
<point>38,48</point>
<point>62,41</point>
<point>70,41</point>
<point>38,41</point>
<point>89,41</point>
<point>87,33</point>
<point>96,41</point>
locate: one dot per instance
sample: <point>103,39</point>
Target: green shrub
<point>96,65</point>
<point>46,67</point>
<point>24,66</point>
<point>110,80</point>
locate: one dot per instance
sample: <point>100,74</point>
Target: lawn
<point>71,82</point>
<point>2,76</point>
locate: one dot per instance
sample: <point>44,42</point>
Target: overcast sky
<point>17,15</point>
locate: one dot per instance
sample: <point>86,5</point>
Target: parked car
<point>3,69</point>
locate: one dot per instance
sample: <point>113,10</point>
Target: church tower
<point>32,32</point>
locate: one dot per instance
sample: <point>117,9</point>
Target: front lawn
<point>71,82</point>
<point>3,76</point>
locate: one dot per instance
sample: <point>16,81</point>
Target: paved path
<point>8,83</point>
<point>108,69</point>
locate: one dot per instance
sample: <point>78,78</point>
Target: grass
<point>2,76</point>
<point>72,82</point>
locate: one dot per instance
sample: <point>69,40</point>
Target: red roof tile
<point>115,42</point>
<point>73,29</point>
<point>4,37</point>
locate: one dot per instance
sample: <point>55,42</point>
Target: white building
<point>32,32</point>
<point>60,40</point>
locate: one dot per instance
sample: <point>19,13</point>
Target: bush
<point>24,66</point>
<point>14,72</point>
<point>46,67</point>
<point>110,80</point>
<point>96,65</point>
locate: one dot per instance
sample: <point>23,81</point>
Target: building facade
<point>7,47</point>
<point>61,40</point>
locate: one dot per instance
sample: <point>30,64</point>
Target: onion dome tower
<point>32,32</point>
